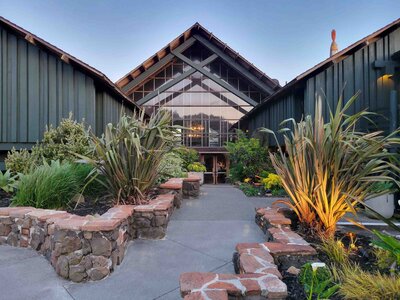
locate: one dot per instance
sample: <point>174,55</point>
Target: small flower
<point>247,180</point>
<point>317,265</point>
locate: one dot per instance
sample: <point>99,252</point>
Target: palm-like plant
<point>128,154</point>
<point>329,167</point>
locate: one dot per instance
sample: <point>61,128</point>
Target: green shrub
<point>171,166</point>
<point>188,155</point>
<point>60,143</point>
<point>249,190</point>
<point>19,161</point>
<point>248,158</point>
<point>52,185</point>
<point>196,167</point>
<point>317,281</point>
<point>129,154</point>
<point>8,182</point>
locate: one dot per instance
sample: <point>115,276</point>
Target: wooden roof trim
<point>66,57</point>
<point>211,37</point>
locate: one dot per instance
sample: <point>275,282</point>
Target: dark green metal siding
<point>353,73</point>
<point>356,73</point>
<point>38,89</point>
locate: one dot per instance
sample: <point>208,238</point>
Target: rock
<point>101,246</point>
<point>86,248</point>
<point>151,233</point>
<point>5,229</point>
<point>75,258</point>
<point>70,244</point>
<point>77,273</point>
<point>142,222</point>
<point>160,220</point>
<point>38,238</point>
<point>98,273</point>
<point>293,270</point>
<point>62,266</point>
<point>100,261</point>
<point>12,239</point>
<point>87,235</point>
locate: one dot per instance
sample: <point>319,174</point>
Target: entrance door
<point>216,165</point>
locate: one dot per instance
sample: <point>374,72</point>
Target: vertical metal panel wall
<point>353,73</point>
<point>39,89</point>
<point>356,73</point>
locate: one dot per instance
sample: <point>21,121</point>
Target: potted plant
<point>197,169</point>
<point>382,200</point>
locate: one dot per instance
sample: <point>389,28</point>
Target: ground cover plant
<point>129,154</point>
<point>328,167</point>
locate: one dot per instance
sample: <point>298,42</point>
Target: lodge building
<point>210,89</point>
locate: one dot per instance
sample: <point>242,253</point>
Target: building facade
<point>41,84</point>
<point>370,66</point>
<point>208,88</point>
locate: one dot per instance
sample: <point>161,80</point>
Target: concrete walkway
<point>201,237</point>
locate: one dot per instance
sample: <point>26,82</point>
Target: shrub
<point>358,284</point>
<point>317,281</point>
<point>196,167</point>
<point>188,155</point>
<point>329,167</point>
<point>171,166</point>
<point>248,158</point>
<point>249,190</point>
<point>8,182</point>
<point>129,154</point>
<point>390,244</point>
<point>51,185</point>
<point>60,143</point>
<point>272,182</point>
<point>19,161</point>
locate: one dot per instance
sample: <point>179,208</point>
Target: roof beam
<point>256,81</point>
<point>157,66</point>
<point>176,80</point>
<point>215,78</point>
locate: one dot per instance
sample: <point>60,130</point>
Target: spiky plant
<point>328,167</point>
<point>129,153</point>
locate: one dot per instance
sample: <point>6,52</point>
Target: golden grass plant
<point>328,167</point>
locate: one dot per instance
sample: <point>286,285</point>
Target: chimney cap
<point>334,47</point>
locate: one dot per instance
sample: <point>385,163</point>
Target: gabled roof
<point>327,63</point>
<point>198,29</point>
<point>98,76</point>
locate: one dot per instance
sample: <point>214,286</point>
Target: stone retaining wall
<point>84,248</point>
<point>258,264</point>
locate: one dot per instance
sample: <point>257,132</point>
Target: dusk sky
<point>282,38</point>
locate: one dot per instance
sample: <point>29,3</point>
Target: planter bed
<point>88,247</point>
<point>363,256</point>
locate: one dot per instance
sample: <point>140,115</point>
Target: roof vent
<point>334,46</point>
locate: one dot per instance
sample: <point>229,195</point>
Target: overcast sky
<point>283,38</point>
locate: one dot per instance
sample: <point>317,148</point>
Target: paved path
<point>201,237</point>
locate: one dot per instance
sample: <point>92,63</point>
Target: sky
<point>282,38</point>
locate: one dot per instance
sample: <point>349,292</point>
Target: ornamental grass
<point>329,167</point>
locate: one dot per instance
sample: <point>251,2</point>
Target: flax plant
<point>329,167</point>
<point>129,154</point>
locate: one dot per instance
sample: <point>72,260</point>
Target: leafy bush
<point>329,167</point>
<point>19,161</point>
<point>196,167</point>
<point>129,154</point>
<point>60,143</point>
<point>317,281</point>
<point>272,182</point>
<point>249,190</point>
<point>391,245</point>
<point>358,284</point>
<point>188,155</point>
<point>8,182</point>
<point>52,185</point>
<point>248,158</point>
<point>171,166</point>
